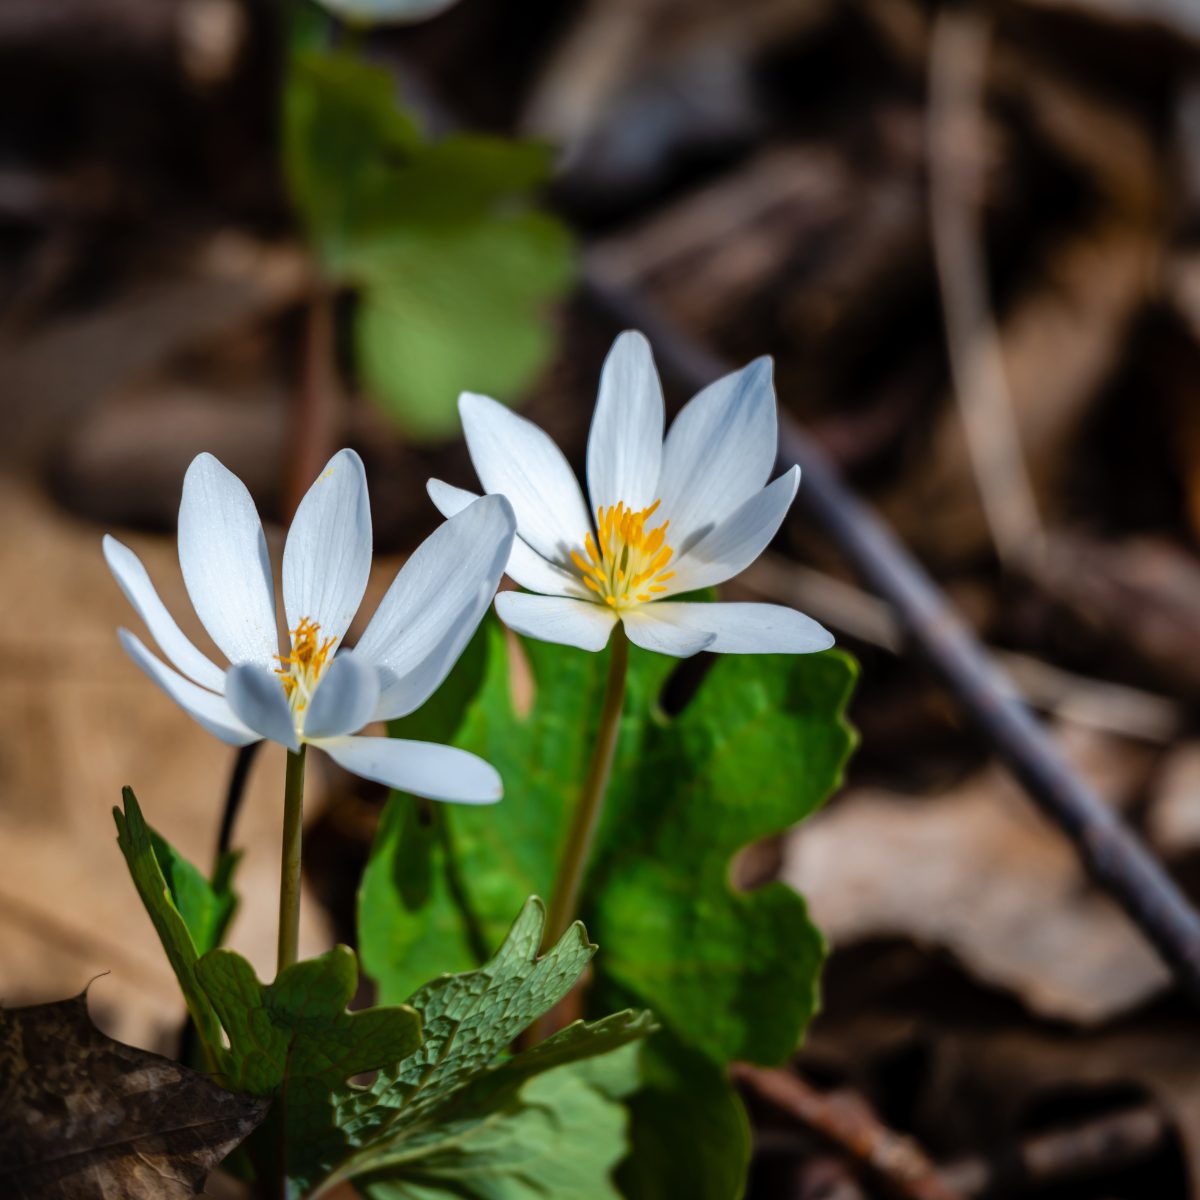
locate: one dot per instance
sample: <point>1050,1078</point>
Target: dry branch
<point>844,1121</point>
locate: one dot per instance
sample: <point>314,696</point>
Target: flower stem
<point>576,852</point>
<point>289,877</point>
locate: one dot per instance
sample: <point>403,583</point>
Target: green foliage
<point>206,906</point>
<point>758,748</point>
<point>423,1121</point>
<point>188,913</point>
<point>561,1136</point>
<point>685,1099</point>
<point>452,267</point>
<point>293,1040</point>
<point>342,132</point>
<point>761,744</point>
<point>449,1109</point>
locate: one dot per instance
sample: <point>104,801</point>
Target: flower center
<point>300,670</point>
<point>625,564</point>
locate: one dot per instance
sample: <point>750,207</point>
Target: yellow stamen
<point>625,563</point>
<point>300,670</point>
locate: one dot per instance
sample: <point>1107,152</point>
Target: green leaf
<point>188,913</point>
<point>453,267</point>
<point>408,870</point>
<point>684,1100</point>
<point>342,130</point>
<point>294,1040</point>
<point>206,907</point>
<point>460,307</point>
<point>430,1107</point>
<point>561,1136</point>
<point>759,747</point>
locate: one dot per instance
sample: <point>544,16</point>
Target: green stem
<point>573,863</point>
<point>289,877</point>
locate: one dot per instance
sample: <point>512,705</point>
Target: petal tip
<point>761,369</point>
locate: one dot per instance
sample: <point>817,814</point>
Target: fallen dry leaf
<point>979,872</point>
<point>83,1117</point>
<point>1173,822</point>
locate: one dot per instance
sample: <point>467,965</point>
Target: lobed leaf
<point>438,1100</point>
<point>731,975</point>
<point>293,1040</point>
<point>561,1135</point>
<point>759,747</point>
<point>452,265</point>
<point>189,913</point>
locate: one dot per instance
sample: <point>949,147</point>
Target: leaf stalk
<point>577,850</point>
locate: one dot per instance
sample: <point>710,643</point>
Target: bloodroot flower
<point>667,516</point>
<point>315,692</point>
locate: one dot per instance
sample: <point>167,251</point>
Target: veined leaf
<point>439,1095</point>
<point>433,1107</point>
<point>561,1136</point>
<point>294,1041</point>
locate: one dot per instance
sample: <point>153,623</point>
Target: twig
<point>955,137</point>
<point>1088,1149</point>
<point>1093,703</point>
<point>1091,1148</point>
<point>844,1121</point>
<point>1116,859</point>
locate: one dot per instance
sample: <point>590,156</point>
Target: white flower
<point>386,12</point>
<point>667,517</point>
<point>315,692</point>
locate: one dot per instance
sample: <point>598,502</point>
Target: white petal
<point>719,452</point>
<point>738,628</point>
<point>734,544</point>
<point>435,603</point>
<point>448,499</point>
<point>525,565</point>
<point>223,556</point>
<point>422,768</point>
<point>514,458</point>
<point>327,557</point>
<point>207,708</point>
<point>646,629</point>
<point>257,697</point>
<point>345,698</point>
<point>625,443</point>
<point>129,573</point>
<point>386,12</point>
<point>557,619</point>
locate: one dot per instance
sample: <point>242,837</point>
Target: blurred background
<point>970,238</point>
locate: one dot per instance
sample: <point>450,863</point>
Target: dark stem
<point>234,794</point>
